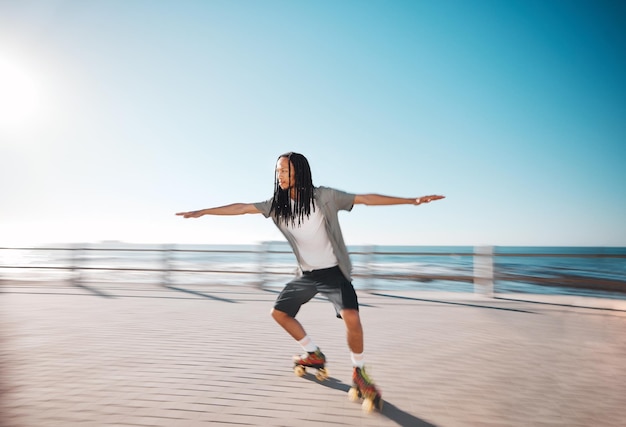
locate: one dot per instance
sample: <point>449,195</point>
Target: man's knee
<point>278,315</point>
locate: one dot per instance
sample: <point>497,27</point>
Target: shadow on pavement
<point>201,294</point>
<point>451,303</point>
<point>559,304</point>
<point>389,411</point>
<point>93,290</point>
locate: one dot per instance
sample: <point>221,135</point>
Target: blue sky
<point>121,113</point>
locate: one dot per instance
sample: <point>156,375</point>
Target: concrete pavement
<point>139,355</point>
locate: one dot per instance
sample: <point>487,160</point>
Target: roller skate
<point>314,359</point>
<point>363,388</point>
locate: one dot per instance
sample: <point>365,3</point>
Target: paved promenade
<point>139,355</point>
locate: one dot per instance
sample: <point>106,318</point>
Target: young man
<point>307,216</point>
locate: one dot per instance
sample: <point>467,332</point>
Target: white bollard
<point>483,270</point>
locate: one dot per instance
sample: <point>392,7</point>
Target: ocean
<point>587,271</point>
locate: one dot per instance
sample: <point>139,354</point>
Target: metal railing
<point>483,273</point>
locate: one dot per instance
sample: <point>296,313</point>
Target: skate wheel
<point>321,374</point>
<point>299,370</point>
<point>368,406</point>
<point>353,394</point>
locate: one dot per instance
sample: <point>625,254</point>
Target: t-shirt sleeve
<point>264,207</point>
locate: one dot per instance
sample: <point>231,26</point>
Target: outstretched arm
<point>232,209</point>
<point>379,200</point>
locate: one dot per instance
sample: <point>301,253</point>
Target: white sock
<point>358,360</point>
<point>307,344</point>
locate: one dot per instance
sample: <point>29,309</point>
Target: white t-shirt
<point>314,246</point>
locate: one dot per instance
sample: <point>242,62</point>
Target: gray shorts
<point>330,282</point>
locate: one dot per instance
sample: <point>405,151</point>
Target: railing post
<point>167,253</point>
<point>75,267</point>
<point>369,260</point>
<point>483,270</point>
<point>263,248</point>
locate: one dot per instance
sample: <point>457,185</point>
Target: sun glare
<point>19,95</point>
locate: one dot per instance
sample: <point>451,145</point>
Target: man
<point>307,216</point>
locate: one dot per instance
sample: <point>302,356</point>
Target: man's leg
<point>313,357</point>
<point>354,330</point>
<point>296,293</point>
<point>343,296</point>
<point>362,384</point>
<point>289,324</point>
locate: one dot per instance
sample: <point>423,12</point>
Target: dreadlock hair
<point>303,203</point>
